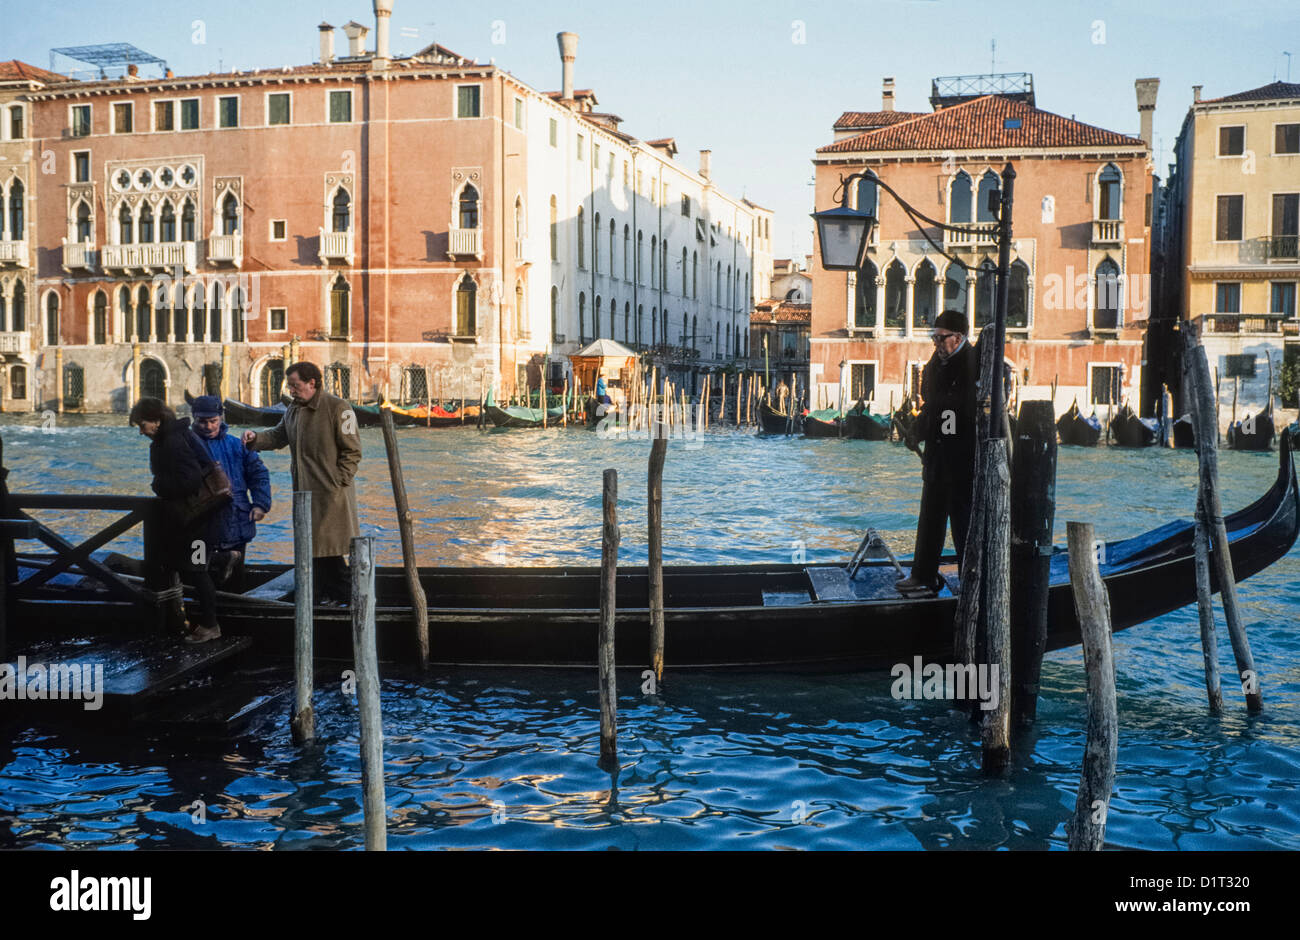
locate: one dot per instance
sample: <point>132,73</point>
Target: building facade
<point>1079,291</point>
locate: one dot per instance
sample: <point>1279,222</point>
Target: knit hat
<point>952,321</point>
<point>206,406</point>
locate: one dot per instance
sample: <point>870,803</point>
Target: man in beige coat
<point>325,450</point>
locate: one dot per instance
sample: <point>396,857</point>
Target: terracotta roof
<point>874,118</point>
<point>16,71</point>
<point>1267,92</point>
<point>979,123</point>
<point>577,93</point>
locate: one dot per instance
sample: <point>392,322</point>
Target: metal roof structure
<point>112,55</point>
<point>949,90</point>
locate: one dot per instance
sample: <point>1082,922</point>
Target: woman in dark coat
<point>175,457</point>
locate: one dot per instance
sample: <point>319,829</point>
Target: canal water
<point>482,758</point>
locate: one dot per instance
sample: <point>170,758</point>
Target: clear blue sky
<point>730,77</point>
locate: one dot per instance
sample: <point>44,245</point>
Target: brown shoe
<point>203,634</point>
<point>911,587</point>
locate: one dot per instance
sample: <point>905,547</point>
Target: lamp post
<point>845,235</point>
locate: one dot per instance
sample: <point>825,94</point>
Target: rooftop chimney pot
<point>1196,93</point>
<point>326,43</point>
<point>887,95</point>
<point>706,160</point>
<point>568,53</point>
<point>356,34</point>
<point>383,13</point>
<point>1146,101</point>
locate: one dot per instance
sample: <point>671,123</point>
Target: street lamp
<point>845,235</point>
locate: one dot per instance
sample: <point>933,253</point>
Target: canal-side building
<point>422,224</point>
<point>1079,292</point>
<point>1233,212</point>
<point>19,312</point>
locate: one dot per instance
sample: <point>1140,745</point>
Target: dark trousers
<point>331,580</point>
<point>943,499</point>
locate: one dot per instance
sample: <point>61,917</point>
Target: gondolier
<point>325,448</point>
<point>946,425</point>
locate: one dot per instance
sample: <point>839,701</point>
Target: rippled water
<point>507,759</point>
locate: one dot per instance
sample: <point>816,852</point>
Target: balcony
<point>1283,248</point>
<point>1107,231</point>
<point>154,256</point>
<point>13,252</point>
<point>79,256</point>
<point>15,344</point>
<point>1220,324</point>
<point>335,246</point>
<point>465,241</point>
<point>226,249</point>
<point>980,236</point>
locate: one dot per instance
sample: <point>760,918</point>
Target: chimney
<point>1146,99</point>
<point>383,12</point>
<point>705,160</point>
<point>568,52</point>
<point>1196,93</point>
<point>326,43</point>
<point>887,95</point>
<point>356,34</point>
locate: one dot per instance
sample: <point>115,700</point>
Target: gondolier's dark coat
<point>949,385</point>
<point>325,450</point>
<point>175,459</point>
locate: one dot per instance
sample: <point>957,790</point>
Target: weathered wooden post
<point>303,723</point>
<point>366,661</point>
<point>1087,831</point>
<point>655,511</point>
<point>1033,480</point>
<point>1204,414</point>
<point>996,731</point>
<point>1205,609</point>
<point>608,602</point>
<point>419,604</point>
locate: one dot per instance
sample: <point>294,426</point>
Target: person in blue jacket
<point>250,483</point>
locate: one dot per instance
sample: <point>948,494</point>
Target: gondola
<point>424,416</point>
<point>1184,433</point>
<point>516,416</point>
<point>1073,428</point>
<point>1128,430</point>
<point>772,421</point>
<point>239,414</point>
<point>823,423</point>
<point>786,617</point>
<point>862,425</point>
<point>904,419</point>
<point>1260,434</point>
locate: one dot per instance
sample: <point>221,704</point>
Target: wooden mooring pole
<point>996,732</point>
<point>419,604</point>
<point>366,662</point>
<point>1033,480</point>
<point>605,655</point>
<point>1205,418</point>
<point>1087,831</point>
<point>1205,610</point>
<point>303,723</point>
<point>655,513</point>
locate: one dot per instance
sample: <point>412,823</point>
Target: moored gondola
<point>772,421</point>
<point>864,426</point>
<point>1128,430</point>
<point>823,423</point>
<point>1254,432</point>
<point>1073,428</point>
<point>754,617</point>
<point>240,414</point>
<point>1184,433</point>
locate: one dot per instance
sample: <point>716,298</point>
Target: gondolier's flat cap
<point>206,406</point>
<point>953,321</point>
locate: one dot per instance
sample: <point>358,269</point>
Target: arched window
<point>640,244</point>
<point>695,275</point>
<point>146,224</point>
<point>126,226</point>
<point>663,265</point>
<point>85,232</point>
<point>627,322</point>
<point>986,293</point>
<point>1018,296</point>
<point>216,298</point>
<point>17,308</point>
<point>595,319</point>
<point>582,239</point>
<point>237,306</point>
<point>866,194</point>
<point>954,289</point>
<point>695,332</point>
<point>16,211</point>
<point>864,299</point>
<point>895,295</point>
<point>99,324</point>
<point>1109,299</point>
<point>959,198</point>
<point>18,382</point>
<point>582,319</point>
<point>555,230</point>
<point>717,285</point>
<point>272,380</point>
<point>342,219</point>
<point>230,215</point>
<point>179,315</point>
<point>187,221</point>
<point>466,307</point>
<point>469,207</point>
<point>663,323</point>
<point>124,307</point>
<point>613,309</point>
<point>654,262</point>
<point>153,380</point>
<point>162,313</point>
<point>340,307</point>
<point>717,338</point>
<point>684,294</point>
<point>555,312</point>
<point>1109,182</point>
<point>731,291</point>
<point>685,331</point>
<point>167,223</point>
<point>197,318</point>
<point>613,238</point>
<point>143,314</point>
<point>923,311</point>
<point>988,183</point>
<point>627,241</point>
<point>520,319</point>
<point>519,218</point>
<point>595,245</point>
